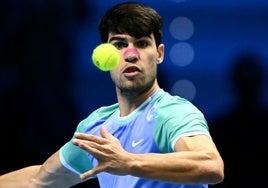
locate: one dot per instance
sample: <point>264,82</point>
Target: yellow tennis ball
<point>105,56</point>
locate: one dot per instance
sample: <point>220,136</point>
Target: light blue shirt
<point>153,127</point>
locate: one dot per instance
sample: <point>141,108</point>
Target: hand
<point>112,158</point>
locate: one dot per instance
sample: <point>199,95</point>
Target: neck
<point>129,101</point>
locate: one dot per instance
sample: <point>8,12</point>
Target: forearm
<point>178,167</point>
<point>51,174</point>
<point>20,178</point>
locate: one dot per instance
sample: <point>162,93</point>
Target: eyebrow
<point>117,38</point>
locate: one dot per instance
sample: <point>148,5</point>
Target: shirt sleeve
<point>175,120</point>
<point>73,157</point>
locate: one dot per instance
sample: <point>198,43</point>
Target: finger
<point>78,142</point>
<point>89,137</point>
<point>91,147</point>
<point>83,136</point>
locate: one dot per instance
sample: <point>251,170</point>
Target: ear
<point>160,52</point>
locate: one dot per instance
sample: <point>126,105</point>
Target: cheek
<point>152,60</point>
<point>112,75</point>
<point>115,72</point>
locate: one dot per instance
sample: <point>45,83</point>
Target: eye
<point>142,44</point>
<point>120,44</point>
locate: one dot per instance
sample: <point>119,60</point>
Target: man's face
<point>137,68</point>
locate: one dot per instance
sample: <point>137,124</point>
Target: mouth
<point>131,71</point>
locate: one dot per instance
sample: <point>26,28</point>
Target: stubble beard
<point>134,88</point>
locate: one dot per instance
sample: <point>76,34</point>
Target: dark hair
<point>132,18</point>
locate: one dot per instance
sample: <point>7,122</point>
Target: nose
<point>131,55</point>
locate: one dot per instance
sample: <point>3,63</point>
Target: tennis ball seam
<point>107,61</point>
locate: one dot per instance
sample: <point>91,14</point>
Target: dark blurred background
<point>216,56</point>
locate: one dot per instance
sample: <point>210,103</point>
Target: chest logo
<point>135,143</point>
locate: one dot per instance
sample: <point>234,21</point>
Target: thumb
<point>91,173</point>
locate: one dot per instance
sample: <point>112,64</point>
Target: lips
<point>131,69</point>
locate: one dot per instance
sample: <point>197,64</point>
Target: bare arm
<point>195,161</point>
<point>19,178</point>
<point>50,174</point>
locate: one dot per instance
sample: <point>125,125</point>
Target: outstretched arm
<point>50,174</point>
<point>19,178</point>
<point>196,160</point>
